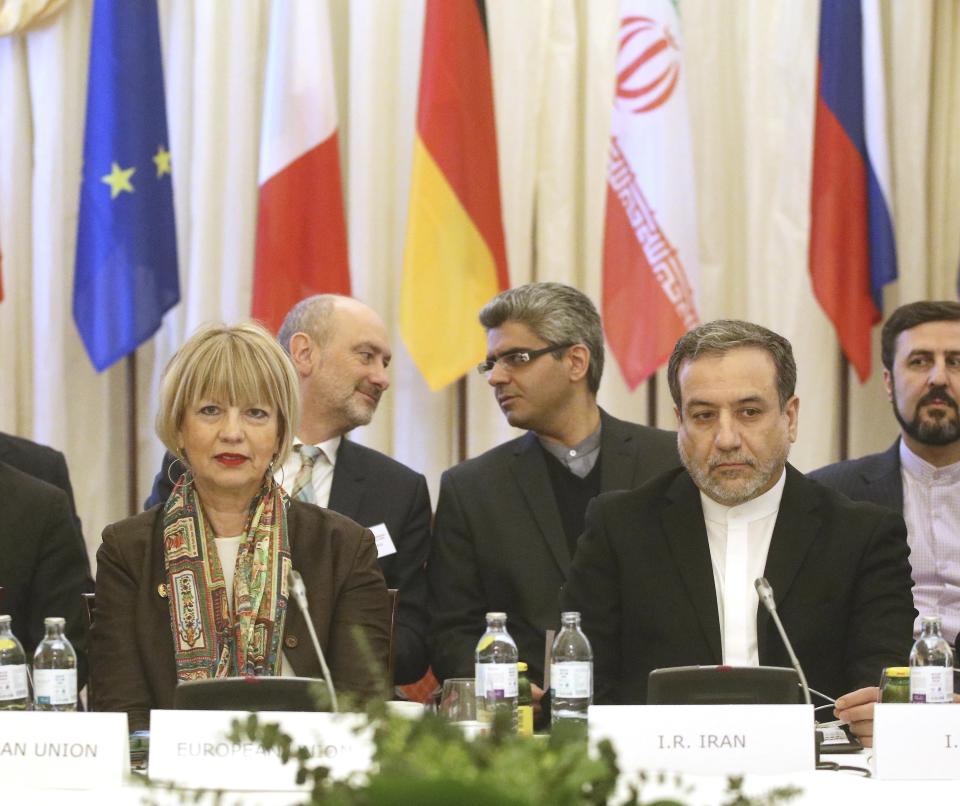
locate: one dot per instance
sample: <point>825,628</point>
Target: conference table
<point>818,787</point>
<point>849,784</point>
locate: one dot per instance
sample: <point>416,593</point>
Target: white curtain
<point>751,69</point>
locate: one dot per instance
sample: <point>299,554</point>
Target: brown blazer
<point>131,647</point>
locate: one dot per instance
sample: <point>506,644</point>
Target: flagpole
<point>844,407</point>
<point>652,401</point>
<point>462,419</point>
<point>132,485</point>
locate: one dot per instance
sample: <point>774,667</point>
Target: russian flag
<point>852,250</point>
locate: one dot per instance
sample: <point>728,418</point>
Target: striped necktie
<point>303,483</point>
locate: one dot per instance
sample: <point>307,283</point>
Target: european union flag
<point>125,277</point>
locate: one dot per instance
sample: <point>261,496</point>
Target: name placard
<point>191,749</point>
<point>917,741</point>
<point>709,739</point>
<point>63,750</point>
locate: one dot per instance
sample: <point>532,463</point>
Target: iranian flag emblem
<point>650,261</point>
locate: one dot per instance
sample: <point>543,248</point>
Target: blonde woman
<point>197,587</point>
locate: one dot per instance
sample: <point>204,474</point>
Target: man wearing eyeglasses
<point>507,521</point>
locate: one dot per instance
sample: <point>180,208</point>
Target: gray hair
<point>723,335</point>
<point>556,313</point>
<point>313,316</point>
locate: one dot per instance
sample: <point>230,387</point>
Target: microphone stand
<point>299,591</point>
<point>766,596</point>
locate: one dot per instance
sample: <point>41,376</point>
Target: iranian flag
<point>650,263</point>
<point>301,233</point>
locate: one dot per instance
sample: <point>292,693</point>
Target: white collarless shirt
<point>931,509</point>
<point>322,476</point>
<point>739,539</point>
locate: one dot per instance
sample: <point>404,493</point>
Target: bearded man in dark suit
<point>664,575</point>
<point>507,521</point>
<point>919,475</point>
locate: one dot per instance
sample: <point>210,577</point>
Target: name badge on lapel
<point>385,545</point>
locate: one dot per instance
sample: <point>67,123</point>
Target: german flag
<point>455,259</point>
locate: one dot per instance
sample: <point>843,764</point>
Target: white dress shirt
<point>322,469</point>
<point>931,508</point>
<point>739,539</point>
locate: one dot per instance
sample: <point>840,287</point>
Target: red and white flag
<point>650,263</point>
<point>301,232</point>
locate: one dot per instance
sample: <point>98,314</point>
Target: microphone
<point>766,596</point>
<point>299,592</point>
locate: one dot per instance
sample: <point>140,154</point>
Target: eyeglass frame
<point>486,367</point>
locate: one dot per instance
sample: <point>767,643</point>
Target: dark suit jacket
<point>371,488</point>
<point>42,463</point>
<point>643,581</point>
<point>131,646</point>
<point>43,570</point>
<point>873,478</point>
<point>499,542</point>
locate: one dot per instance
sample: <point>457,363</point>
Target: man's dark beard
<point>942,430</point>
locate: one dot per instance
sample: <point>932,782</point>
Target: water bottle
<point>931,664</point>
<point>496,671</point>
<point>14,694</point>
<point>55,670</point>
<point>571,672</point>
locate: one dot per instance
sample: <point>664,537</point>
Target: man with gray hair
<point>664,575</point>
<point>507,521</point>
<point>341,352</point>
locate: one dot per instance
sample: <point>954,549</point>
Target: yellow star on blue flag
<point>118,179</point>
<point>162,160</point>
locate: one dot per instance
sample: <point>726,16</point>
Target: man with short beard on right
<point>664,574</point>
<point>919,475</point>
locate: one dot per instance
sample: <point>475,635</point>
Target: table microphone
<point>299,592</point>
<point>766,596</point>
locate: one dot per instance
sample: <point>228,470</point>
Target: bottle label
<point>496,681</point>
<point>55,686</point>
<point>13,682</point>
<point>571,679</point>
<point>931,684</point>
<point>525,720</point>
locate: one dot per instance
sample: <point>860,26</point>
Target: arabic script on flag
<point>650,262</point>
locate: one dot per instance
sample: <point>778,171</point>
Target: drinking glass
<point>458,702</point>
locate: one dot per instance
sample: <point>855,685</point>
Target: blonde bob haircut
<point>238,365</point>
